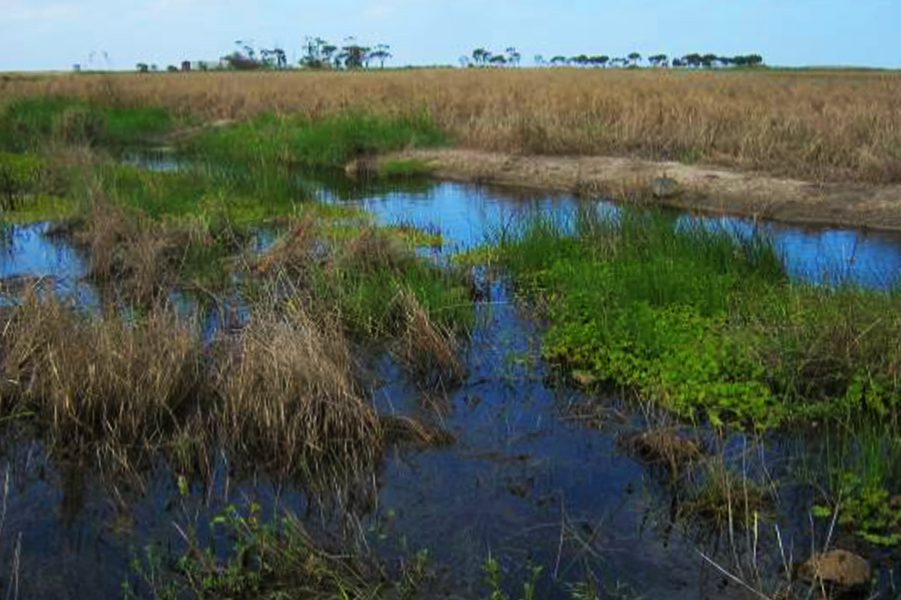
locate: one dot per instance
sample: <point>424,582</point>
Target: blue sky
<point>55,34</point>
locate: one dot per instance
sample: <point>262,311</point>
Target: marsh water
<point>528,480</point>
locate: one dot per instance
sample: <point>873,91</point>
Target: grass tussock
<point>428,350</point>
<point>816,125</point>
<point>720,497</point>
<point>99,379</point>
<point>289,393</point>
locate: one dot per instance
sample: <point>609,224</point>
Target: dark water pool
<point>524,482</point>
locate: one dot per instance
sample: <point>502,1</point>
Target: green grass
<point>858,474</point>
<point>368,279</point>
<point>405,168</point>
<point>243,197</point>
<point>329,142</point>
<point>705,321</point>
<point>20,175</point>
<point>41,208</point>
<point>29,123</point>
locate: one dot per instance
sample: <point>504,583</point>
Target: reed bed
<point>816,125</point>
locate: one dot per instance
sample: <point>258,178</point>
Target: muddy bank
<point>703,189</point>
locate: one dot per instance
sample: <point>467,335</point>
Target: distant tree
<point>465,62</point>
<point>142,67</point>
<point>559,61</point>
<point>677,62</point>
<point>172,69</point>
<point>277,58</point>
<point>581,60</point>
<point>634,59</point>
<point>381,54</point>
<point>328,53</point>
<point>186,66</point>
<point>693,60</point>
<point>353,55</point>
<point>481,56</point>
<point>498,60</point>
<point>513,56</point>
<point>240,62</point>
<point>539,60</point>
<point>247,48</point>
<point>708,59</point>
<point>313,53</point>
<point>243,59</point>
<point>659,60</point>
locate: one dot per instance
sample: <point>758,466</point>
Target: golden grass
<point>426,349</point>
<point>289,394</point>
<point>100,379</point>
<point>817,125</point>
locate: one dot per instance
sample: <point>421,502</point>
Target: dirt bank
<point>703,189</point>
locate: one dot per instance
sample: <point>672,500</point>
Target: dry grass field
<point>813,125</point>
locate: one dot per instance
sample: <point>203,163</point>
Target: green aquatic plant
<point>274,558</point>
<point>703,319</point>
<point>859,472</point>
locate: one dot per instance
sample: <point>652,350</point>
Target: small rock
<point>837,567</point>
<point>665,187</point>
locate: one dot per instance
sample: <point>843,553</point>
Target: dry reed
<point>817,125</point>
<point>427,350</point>
<point>289,396</point>
<point>90,379</point>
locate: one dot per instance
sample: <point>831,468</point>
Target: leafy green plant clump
<point>329,142</point>
<point>259,558</point>
<point>704,320</point>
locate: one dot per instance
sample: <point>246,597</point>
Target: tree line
<point>481,57</point>
<point>320,54</point>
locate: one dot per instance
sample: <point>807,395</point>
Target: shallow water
<point>522,482</point>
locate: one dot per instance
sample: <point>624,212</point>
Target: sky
<point>117,34</point>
